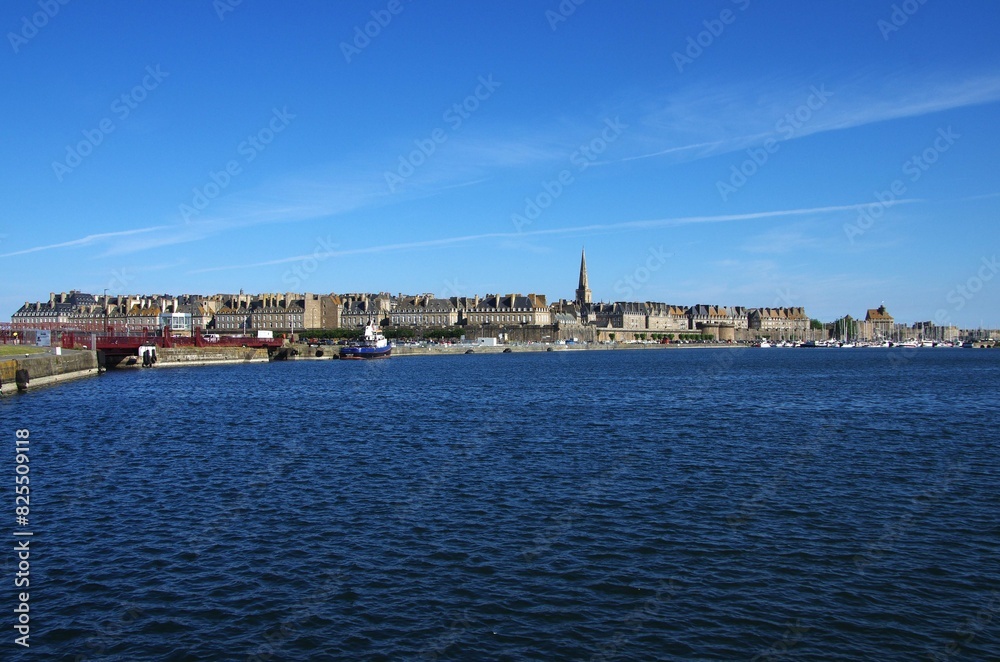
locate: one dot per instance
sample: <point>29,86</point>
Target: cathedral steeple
<point>583,291</point>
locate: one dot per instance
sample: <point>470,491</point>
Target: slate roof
<point>879,314</point>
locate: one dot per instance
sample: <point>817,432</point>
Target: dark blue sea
<point>606,505</point>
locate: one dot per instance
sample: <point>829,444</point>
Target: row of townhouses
<point>296,312</point>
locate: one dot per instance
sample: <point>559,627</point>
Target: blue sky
<point>732,152</point>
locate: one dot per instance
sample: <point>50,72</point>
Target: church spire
<point>583,291</point>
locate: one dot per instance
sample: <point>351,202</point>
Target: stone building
<point>74,311</point>
<point>117,316</point>
<point>423,310</point>
<point>38,315</point>
<point>522,316</point>
<point>878,324</point>
<point>142,315</point>
<point>233,318</point>
<point>627,315</point>
<point>279,313</point>
<point>654,316</point>
<point>320,311</point>
<point>510,309</point>
<point>79,311</point>
<point>701,315</point>
<point>331,310</point>
<point>779,323</point>
<point>566,314</point>
<point>358,309</point>
<point>666,317</point>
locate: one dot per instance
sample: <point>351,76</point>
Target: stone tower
<point>583,291</point>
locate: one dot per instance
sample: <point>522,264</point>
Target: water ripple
<point>594,505</point>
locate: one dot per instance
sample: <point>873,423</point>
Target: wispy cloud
<point>291,200</point>
<point>708,120</point>
<point>703,148</point>
<point>89,240</point>
<point>693,123</point>
<point>783,240</point>
<point>910,98</point>
<point>596,228</point>
<point>487,153</point>
<point>985,196</point>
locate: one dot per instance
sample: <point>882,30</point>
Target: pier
<point>113,349</point>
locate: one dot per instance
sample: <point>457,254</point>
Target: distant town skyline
<point>735,153</point>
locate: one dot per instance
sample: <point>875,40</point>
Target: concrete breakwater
<point>190,356</point>
<point>40,369</point>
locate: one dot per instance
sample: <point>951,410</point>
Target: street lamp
<point>105,310</point>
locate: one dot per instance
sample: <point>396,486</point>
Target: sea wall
<point>526,334</point>
<point>48,368</point>
<point>300,351</point>
<point>174,356</point>
<point>437,350</point>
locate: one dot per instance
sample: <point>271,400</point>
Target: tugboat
<point>372,345</point>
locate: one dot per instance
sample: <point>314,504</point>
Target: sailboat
<point>847,336</point>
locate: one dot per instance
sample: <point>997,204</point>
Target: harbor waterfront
<point>509,318</point>
<point>594,505</point>
<point>41,368</point>
<point>586,331</point>
<point>369,323</point>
